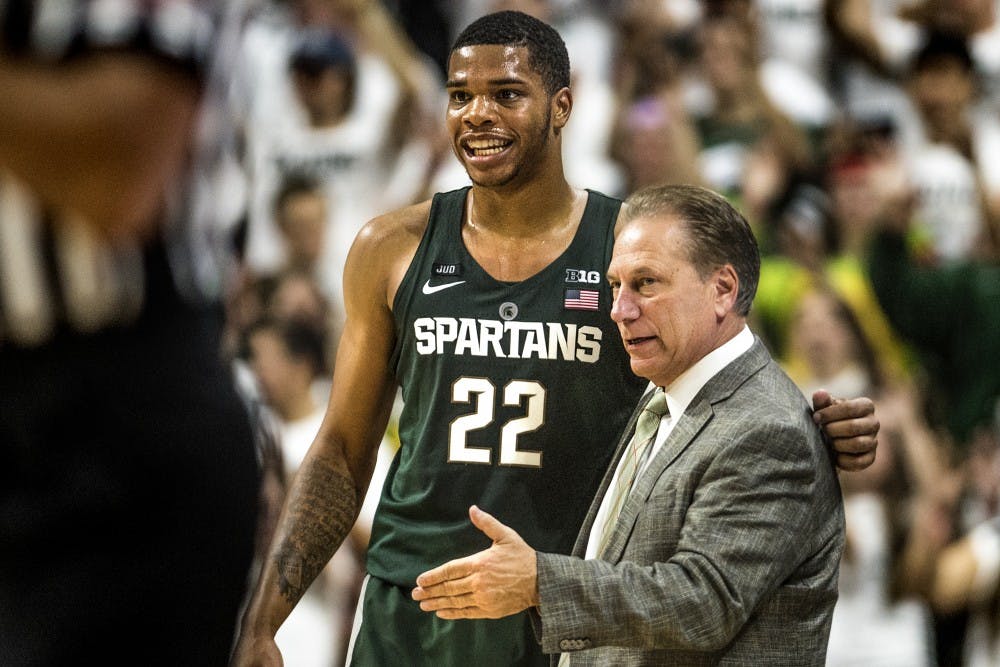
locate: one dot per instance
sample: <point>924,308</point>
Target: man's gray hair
<point>717,233</point>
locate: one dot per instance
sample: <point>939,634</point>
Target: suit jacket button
<point>565,644</point>
<point>585,643</point>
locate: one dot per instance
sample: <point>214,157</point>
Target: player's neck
<point>527,210</point>
<point>516,235</point>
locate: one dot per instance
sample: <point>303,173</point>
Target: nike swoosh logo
<point>427,289</point>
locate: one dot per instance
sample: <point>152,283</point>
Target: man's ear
<point>726,284</point>
<point>562,106</point>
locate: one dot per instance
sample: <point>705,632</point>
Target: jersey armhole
<point>613,208</point>
<point>443,205</point>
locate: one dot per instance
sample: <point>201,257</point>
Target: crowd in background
<point>861,138</point>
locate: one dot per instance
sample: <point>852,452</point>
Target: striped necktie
<point>635,456</point>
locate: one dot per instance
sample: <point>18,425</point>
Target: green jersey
<point>514,396</point>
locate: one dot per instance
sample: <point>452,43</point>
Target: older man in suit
<point>717,531</point>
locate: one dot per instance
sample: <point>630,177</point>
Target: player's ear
<point>562,105</point>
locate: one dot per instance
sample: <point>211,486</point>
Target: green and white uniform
<point>514,397</point>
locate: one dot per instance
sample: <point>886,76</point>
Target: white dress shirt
<point>679,395</point>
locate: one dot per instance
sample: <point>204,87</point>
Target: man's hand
<point>851,427</point>
<point>494,583</point>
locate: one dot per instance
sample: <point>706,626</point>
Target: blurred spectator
<point>428,24</point>
<point>809,239</point>
<point>799,226</point>
<point>977,22</point>
<point>896,510</point>
<point>874,42</point>
<point>330,144</point>
<point>967,578</point>
<point>654,138</point>
<point>302,286</point>
<point>793,33</point>
<point>955,169</point>
<point>792,54</point>
<point>301,213</point>
<point>966,584</point>
<point>656,46</point>
<point>828,349</point>
<point>128,480</point>
<point>287,356</point>
<point>296,294</point>
<point>749,147</point>
<point>871,46</point>
<point>245,303</point>
<point>351,95</point>
<point>897,521</point>
<point>656,143</point>
<point>950,314</point>
<point>289,295</point>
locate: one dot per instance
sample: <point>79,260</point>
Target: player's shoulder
<point>399,229</point>
<point>383,249</point>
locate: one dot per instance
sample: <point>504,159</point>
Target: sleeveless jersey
<point>514,396</point>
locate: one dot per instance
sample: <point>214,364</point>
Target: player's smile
<point>481,148</point>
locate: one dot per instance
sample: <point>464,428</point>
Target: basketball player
<point>488,306</point>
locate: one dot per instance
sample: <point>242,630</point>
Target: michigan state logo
<point>508,310</point>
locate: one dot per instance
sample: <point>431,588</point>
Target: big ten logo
<point>583,276</point>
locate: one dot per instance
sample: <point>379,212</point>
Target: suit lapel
<point>697,415</point>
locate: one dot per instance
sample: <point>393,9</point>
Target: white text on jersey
<point>511,340</point>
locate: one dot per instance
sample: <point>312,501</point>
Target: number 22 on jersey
<point>481,392</point>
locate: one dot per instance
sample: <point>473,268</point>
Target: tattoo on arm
<point>320,515</point>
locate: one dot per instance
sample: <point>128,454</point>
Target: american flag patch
<point>581,299</point>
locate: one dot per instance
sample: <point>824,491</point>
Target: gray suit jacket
<point>726,551</point>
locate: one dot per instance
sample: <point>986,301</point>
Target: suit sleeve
<point>746,529</point>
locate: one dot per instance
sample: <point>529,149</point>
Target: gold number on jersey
<point>484,391</point>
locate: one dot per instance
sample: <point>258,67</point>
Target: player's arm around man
<point>326,494</point>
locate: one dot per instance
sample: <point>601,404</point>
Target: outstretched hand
<point>494,583</point>
<point>851,427</point>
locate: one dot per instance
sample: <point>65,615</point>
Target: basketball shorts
<point>391,629</point>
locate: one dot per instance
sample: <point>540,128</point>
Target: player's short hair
<point>546,50</point>
<point>717,233</point>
